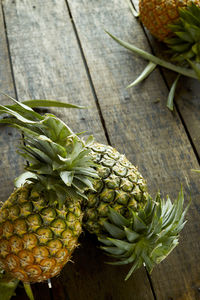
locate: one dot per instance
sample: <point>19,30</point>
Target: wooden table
<point>57,49</point>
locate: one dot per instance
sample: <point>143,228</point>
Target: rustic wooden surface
<point>56,49</point>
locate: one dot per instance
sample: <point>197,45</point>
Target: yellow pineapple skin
<point>37,239</point>
<point>157,15</point>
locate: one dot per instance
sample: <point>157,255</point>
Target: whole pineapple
<point>41,221</point>
<point>117,208</point>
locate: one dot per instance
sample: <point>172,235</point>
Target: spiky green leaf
<point>152,235</point>
<point>138,263</point>
<point>22,179</point>
<point>50,103</point>
<point>67,177</point>
<point>170,99</point>
<point>7,288</point>
<point>113,250</point>
<point>145,73</point>
<point>117,218</point>
<point>114,230</point>
<point>131,235</point>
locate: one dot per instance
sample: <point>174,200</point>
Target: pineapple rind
<point>120,186</point>
<point>36,241</point>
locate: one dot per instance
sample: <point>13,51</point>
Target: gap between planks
<point>9,54</point>
<point>89,75</point>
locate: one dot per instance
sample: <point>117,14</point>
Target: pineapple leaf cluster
<point>185,42</point>
<point>148,236</point>
<point>59,161</point>
<point>153,62</point>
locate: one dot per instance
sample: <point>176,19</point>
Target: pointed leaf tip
<point>170,99</point>
<point>114,230</point>
<point>117,218</point>
<point>18,103</point>
<point>146,72</point>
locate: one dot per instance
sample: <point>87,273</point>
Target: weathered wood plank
<point>147,132</point>
<point>10,164</point>
<point>187,100</point>
<point>101,281</point>
<point>49,65</point>
<point>46,59</point>
<point>41,291</point>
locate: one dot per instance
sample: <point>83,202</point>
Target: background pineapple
<point>157,15</point>
<point>177,23</point>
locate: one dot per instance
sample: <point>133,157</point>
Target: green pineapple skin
<point>120,186</point>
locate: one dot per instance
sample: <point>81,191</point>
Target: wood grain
<point>150,135</point>
<point>10,164</point>
<point>101,281</point>
<point>47,61</point>
<point>50,65</point>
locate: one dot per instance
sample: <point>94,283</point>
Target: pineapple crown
<point>148,236</point>
<point>59,162</point>
<point>185,42</point>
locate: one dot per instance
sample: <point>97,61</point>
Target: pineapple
<point>87,176</point>
<point>41,221</point>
